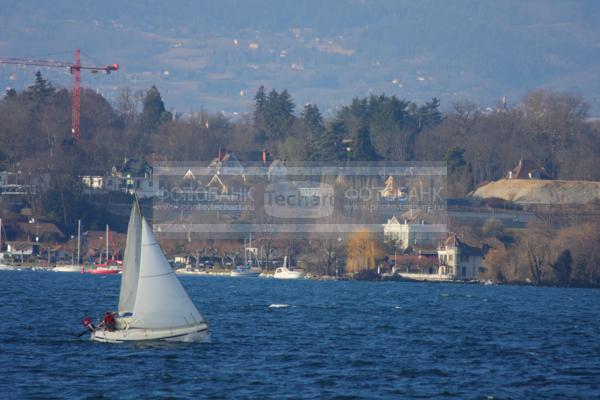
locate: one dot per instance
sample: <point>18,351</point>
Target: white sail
<point>161,300</point>
<point>131,261</point>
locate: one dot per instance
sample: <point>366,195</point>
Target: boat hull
<point>284,273</point>
<point>67,268</point>
<point>289,275</point>
<point>102,271</point>
<point>245,273</point>
<point>194,333</point>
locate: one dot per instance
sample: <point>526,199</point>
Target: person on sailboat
<point>87,322</point>
<point>109,321</point>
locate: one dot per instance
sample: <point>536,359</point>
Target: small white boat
<point>72,267</point>
<point>185,271</point>
<point>153,305</point>
<point>68,268</point>
<point>4,267</point>
<point>285,273</point>
<point>245,271</point>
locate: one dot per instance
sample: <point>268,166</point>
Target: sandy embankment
<point>534,191</point>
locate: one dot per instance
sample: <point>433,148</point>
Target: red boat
<point>110,266</point>
<point>104,270</point>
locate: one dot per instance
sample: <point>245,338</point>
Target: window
<point>464,271</point>
<point>150,184</point>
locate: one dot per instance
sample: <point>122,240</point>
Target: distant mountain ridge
<point>213,55</point>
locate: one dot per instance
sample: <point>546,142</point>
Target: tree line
<point>478,144</point>
<point>546,126</point>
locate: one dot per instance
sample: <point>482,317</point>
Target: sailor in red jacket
<point>109,321</point>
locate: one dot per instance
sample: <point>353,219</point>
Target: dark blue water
<point>335,340</point>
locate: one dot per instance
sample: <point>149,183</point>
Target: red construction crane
<point>74,68</point>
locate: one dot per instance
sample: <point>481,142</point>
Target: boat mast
<point>78,239</point>
<point>106,244</point>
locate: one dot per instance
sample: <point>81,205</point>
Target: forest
<point>478,144</point>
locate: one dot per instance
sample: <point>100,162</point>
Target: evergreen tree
<point>153,112</point>
<point>260,114</point>
<point>279,115</point>
<point>312,130</point>
<point>362,148</point>
<point>41,90</point>
<point>429,114</point>
<point>10,93</point>
<point>329,145</point>
<point>455,159</point>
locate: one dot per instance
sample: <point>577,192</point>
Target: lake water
<point>333,340</point>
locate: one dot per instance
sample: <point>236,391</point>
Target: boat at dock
<point>74,267</point>
<point>103,270</point>
<point>68,268</point>
<point>3,267</point>
<point>248,270</point>
<point>284,272</point>
<point>109,266</point>
<point>245,271</point>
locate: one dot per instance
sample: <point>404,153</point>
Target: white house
<point>146,186</point>
<point>417,233</point>
<point>459,260</point>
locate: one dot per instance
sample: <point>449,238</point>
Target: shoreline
<point>310,277</point>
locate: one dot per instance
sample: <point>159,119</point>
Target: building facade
<point>411,234</point>
<point>460,260</point>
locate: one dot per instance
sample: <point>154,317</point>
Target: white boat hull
<point>284,273</point>
<point>245,274</point>
<point>67,268</point>
<point>194,333</point>
<point>4,267</point>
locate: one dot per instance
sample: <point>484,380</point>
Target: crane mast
<point>74,69</point>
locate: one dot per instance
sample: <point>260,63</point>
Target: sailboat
<point>284,272</point>
<point>72,267</point>
<point>3,267</point>
<point>153,305</point>
<point>247,270</point>
<point>110,267</point>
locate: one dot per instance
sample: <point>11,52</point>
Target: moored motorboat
<point>284,272</point>
<point>153,305</point>
<point>245,271</point>
<point>68,268</point>
<point>103,270</point>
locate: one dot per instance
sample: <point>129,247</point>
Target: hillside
<point>215,54</point>
<point>526,191</point>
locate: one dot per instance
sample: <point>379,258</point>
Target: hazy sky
<point>215,54</point>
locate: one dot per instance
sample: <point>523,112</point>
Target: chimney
<point>264,156</point>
